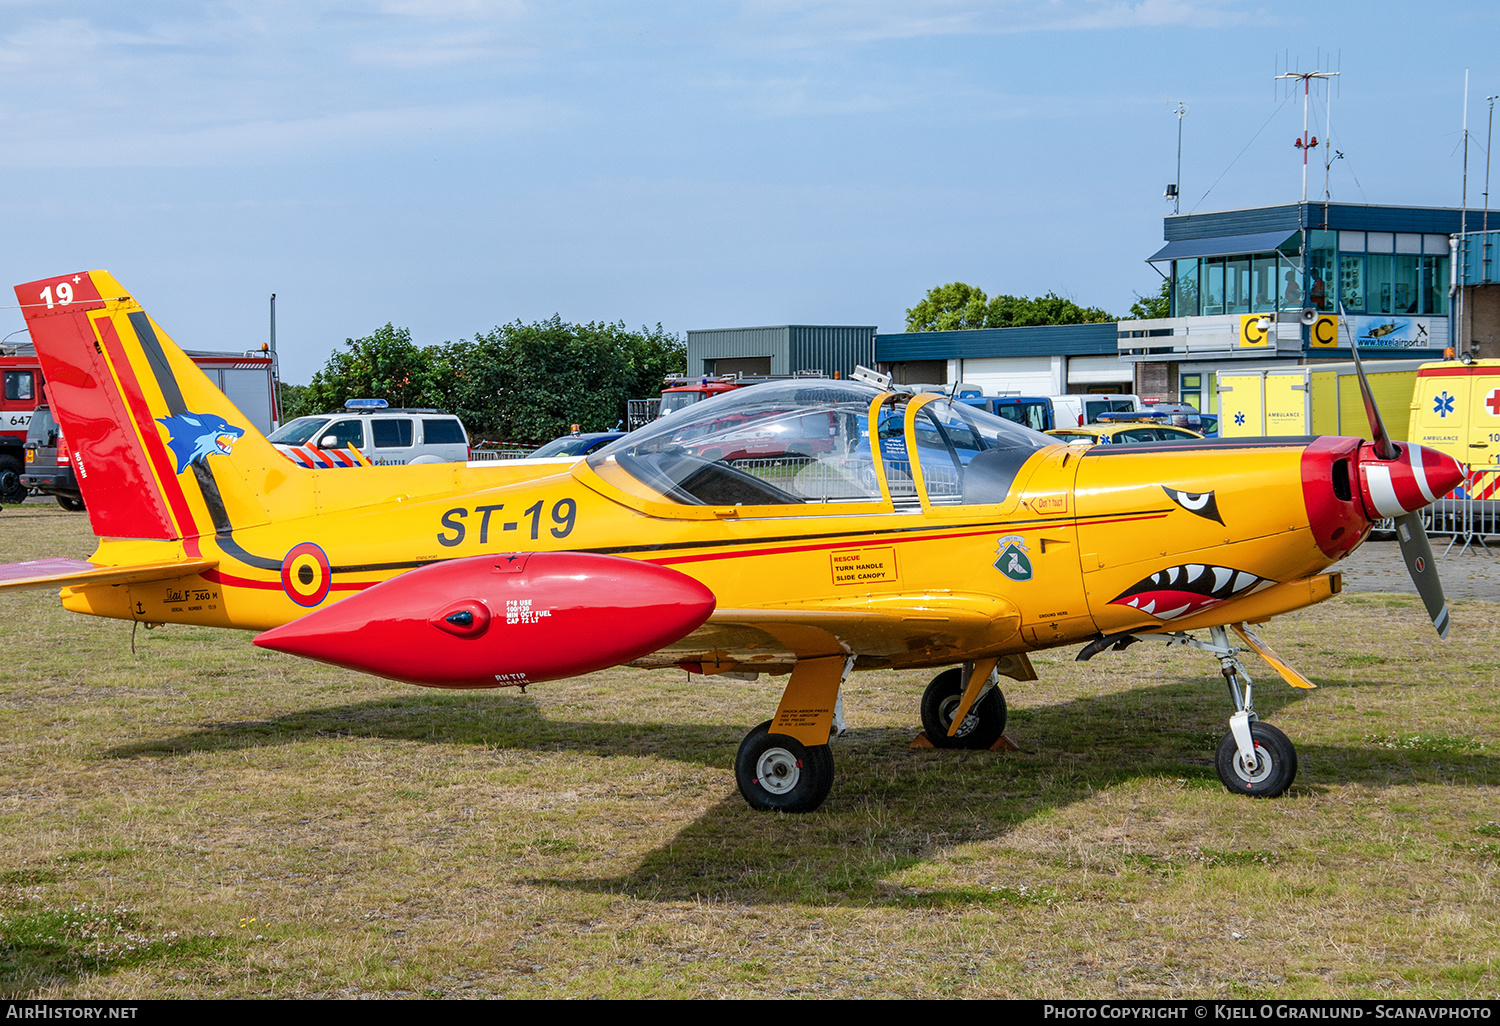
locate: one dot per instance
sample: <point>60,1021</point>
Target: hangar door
<point>1019,375</point>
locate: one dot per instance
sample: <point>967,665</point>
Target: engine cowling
<point>502,620</point>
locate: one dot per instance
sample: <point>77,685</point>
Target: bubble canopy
<point>809,441</point>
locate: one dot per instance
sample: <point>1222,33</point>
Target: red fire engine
<point>681,390</point>
<point>246,378</point>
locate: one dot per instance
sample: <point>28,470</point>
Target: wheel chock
<point>1005,744</point>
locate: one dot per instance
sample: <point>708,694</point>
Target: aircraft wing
<point>894,628</point>
<point>64,573</point>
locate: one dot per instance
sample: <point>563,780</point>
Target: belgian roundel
<point>305,575</point>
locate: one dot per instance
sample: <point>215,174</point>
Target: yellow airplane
<point>807,527</point>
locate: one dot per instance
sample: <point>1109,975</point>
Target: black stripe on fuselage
<point>1198,445</point>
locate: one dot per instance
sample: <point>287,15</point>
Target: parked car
<point>366,433</point>
<point>578,444</point>
<point>1044,412</point>
<point>1126,433</point>
<point>49,465</point>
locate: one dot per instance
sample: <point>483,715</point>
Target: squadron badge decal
<point>1013,562</point>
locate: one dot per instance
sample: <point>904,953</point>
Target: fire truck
<point>246,378</point>
<point>681,390</point>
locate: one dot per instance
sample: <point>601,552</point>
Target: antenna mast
<point>1463,226</point>
<point>1181,113</point>
<point>1306,142</point>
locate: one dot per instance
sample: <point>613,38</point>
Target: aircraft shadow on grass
<point>893,806</point>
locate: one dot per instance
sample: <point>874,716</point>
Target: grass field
<point>202,818</point>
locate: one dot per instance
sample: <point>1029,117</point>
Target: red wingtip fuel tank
<point>502,620</point>
<point>1347,487</point>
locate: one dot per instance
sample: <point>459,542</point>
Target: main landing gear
<point>776,772</point>
<point>985,721</point>
<point>785,764</point>
<point>1254,758</point>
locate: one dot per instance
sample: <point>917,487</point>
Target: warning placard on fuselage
<point>864,566</point>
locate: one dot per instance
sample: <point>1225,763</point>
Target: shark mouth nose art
<point>1179,590</point>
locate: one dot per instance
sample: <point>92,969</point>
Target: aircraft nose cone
<point>1413,481</point>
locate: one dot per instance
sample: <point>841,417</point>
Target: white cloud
<point>811,23</point>
<point>249,142</point>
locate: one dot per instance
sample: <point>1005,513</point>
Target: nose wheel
<point>1254,758</point>
<point>1272,770</point>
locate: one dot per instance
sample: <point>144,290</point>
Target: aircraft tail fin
<point>158,450</point>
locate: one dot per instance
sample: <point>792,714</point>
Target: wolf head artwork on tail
<point>193,437</point>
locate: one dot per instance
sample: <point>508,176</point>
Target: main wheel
<point>12,491</point>
<point>1275,767</point>
<point>980,729</point>
<point>779,773</point>
<point>71,505</point>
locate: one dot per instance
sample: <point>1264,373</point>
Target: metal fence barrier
<point>1466,515</point>
<point>1469,513</point>
<point>849,480</point>
<point>493,455</point>
<point>813,479</point>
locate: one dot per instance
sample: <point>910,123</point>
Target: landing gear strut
<point>985,722</point>
<point>785,764</point>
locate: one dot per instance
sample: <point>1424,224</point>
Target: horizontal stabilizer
<point>65,573</point>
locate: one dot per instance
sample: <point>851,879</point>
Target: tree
<point>533,381</point>
<point>1148,307</point>
<point>951,307</point>
<point>519,382</point>
<point>1025,311</point>
<point>385,365</point>
<point>957,306</point>
<point>292,402</point>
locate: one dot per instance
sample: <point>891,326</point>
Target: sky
<point>451,165</point>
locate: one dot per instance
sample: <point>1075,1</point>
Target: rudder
<point>142,421</point>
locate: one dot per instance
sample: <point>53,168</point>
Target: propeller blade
<point>1383,445</point>
<point>1417,552</point>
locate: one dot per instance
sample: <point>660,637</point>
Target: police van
<point>368,432</point>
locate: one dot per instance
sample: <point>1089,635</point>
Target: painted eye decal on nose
<point>1201,503</point>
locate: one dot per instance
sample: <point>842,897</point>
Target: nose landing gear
<point>1254,758</point>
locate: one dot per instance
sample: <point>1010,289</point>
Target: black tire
<point>777,773</point>
<point>981,728</point>
<point>12,491</point>
<point>1277,766</point>
<point>71,505</point>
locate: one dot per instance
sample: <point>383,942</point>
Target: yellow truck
<point>1317,399</point>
